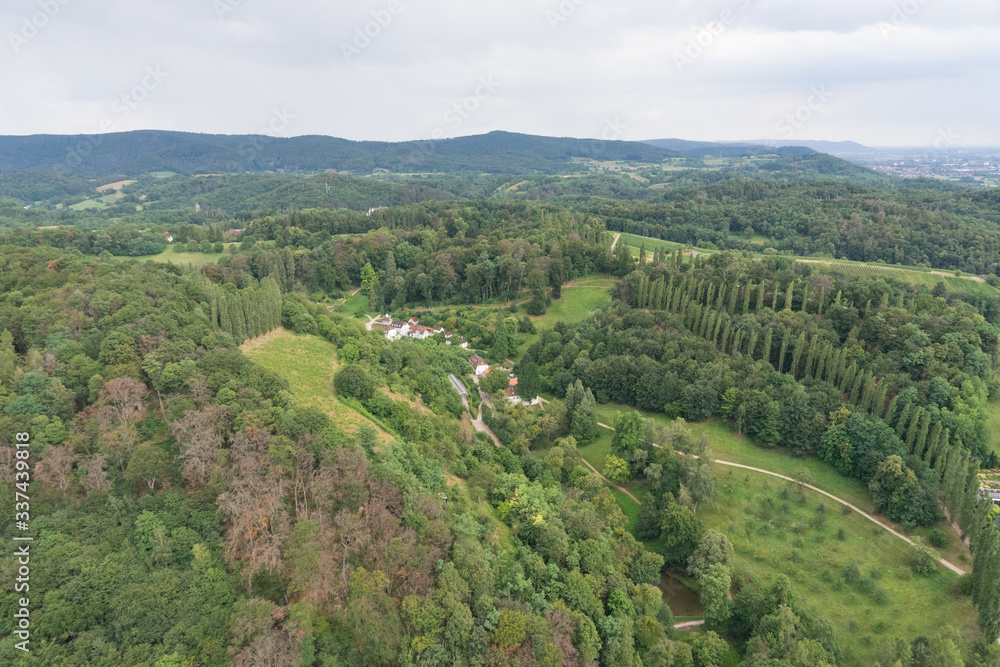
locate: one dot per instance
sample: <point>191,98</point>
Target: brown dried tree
<point>124,397</point>
<point>96,479</point>
<point>54,469</point>
<point>199,435</point>
<point>268,639</point>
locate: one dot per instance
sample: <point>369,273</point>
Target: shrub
<point>852,572</point>
<point>938,538</point>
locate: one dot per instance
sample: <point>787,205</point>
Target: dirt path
<point>263,339</point>
<point>620,488</point>
<point>957,570</point>
<point>617,236</point>
<point>954,525</point>
<point>954,568</point>
<point>687,625</point>
<point>481,426</point>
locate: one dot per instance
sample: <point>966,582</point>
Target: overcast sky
<point>881,72</point>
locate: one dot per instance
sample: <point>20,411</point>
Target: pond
<point>682,600</point>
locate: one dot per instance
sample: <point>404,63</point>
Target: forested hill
<point>142,152</point>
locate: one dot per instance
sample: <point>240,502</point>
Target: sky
<point>879,72</point>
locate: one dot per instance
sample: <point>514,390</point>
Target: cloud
<point>394,69</point>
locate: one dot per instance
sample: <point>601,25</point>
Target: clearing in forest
<point>308,363</point>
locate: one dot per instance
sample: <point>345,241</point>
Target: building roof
<point>477,361</point>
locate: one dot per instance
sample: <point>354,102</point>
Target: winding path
<point>954,568</point>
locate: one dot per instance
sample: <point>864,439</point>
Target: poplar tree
<point>921,441</point>
<point>784,349</point>
<point>911,430</point>
<point>752,346</point>
<point>903,421</point>
<point>800,346</point>
<point>890,413</point>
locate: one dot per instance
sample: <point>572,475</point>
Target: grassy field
<point>775,535</point>
<point>308,363</point>
<point>358,307</point>
<point>192,258</point>
<point>725,444</point>
<point>579,299</point>
<point>994,422</point>
<point>916,275</point>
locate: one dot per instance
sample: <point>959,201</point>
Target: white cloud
<point>595,62</point>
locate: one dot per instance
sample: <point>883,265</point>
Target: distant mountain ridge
<point>145,151</point>
<point>831,147</point>
<point>728,149</point>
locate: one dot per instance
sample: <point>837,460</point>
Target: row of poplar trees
<point>708,311</point>
<point>246,313</point>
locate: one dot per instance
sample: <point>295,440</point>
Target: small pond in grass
<point>682,600</point>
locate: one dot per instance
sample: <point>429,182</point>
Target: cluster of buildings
<point>395,329</point>
<point>512,391</point>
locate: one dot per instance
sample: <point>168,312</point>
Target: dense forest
<point>188,510</point>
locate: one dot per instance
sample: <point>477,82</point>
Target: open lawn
<point>192,258</point>
<point>725,444</point>
<point>88,204</point>
<point>579,299</point>
<point>776,535</point>
<point>308,363</point>
<point>994,421</point>
<point>357,307</point>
